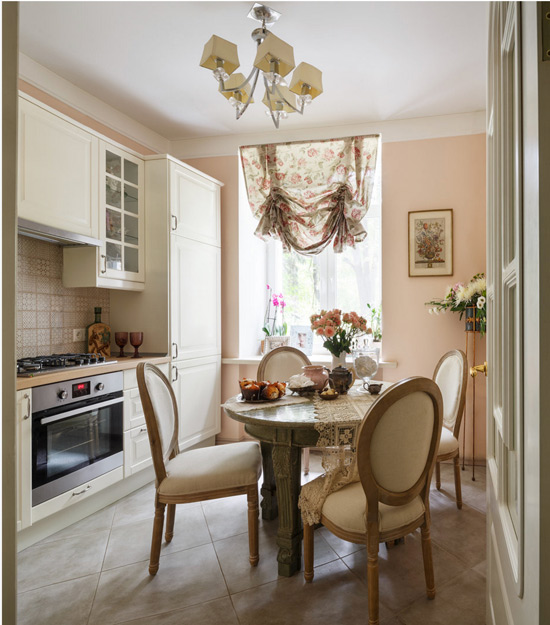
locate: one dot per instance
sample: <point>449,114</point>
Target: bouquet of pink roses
<point>339,330</point>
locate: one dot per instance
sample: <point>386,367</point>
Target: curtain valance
<point>309,193</point>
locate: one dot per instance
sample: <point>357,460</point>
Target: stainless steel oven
<point>76,433</point>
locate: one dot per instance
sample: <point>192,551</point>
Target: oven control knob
<point>100,386</point>
<point>62,394</point>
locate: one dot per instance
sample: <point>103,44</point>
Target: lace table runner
<point>338,424</point>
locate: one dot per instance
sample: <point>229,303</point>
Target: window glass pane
<point>131,259</point>
<point>130,230</point>
<point>301,287</point>
<point>114,256</point>
<point>112,192</point>
<point>130,199</point>
<point>130,171</point>
<point>113,224</point>
<point>112,164</point>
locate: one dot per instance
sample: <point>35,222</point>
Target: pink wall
<point>417,175</point>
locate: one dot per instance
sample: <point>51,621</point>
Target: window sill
<point>315,360</point>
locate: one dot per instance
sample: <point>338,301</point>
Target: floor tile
<point>49,605</point>
<point>131,542</point>
<point>220,612</point>
<point>62,560</point>
<point>341,547</point>
<point>239,575</point>
<point>461,601</point>
<point>226,517</point>
<point>473,492</point>
<point>401,570</point>
<point>138,506</point>
<point>98,522</point>
<point>481,568</point>
<point>460,532</point>
<point>334,596</point>
<point>184,578</point>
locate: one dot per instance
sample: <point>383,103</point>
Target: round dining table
<point>283,429</point>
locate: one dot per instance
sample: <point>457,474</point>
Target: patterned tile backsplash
<point>47,312</point>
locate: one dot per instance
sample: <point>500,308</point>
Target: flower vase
<point>470,317</point>
<point>339,360</point>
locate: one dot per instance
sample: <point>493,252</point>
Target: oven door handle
<point>73,413</point>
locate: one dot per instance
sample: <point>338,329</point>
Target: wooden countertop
<point>118,364</point>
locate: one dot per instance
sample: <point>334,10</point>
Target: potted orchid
<point>469,299</point>
<point>275,327</point>
<point>340,331</point>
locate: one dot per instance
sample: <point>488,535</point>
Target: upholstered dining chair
<point>397,444</point>
<point>451,375</point>
<point>277,366</point>
<point>194,475</point>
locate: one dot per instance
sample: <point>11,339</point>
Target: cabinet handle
<point>141,430</point>
<point>28,398</point>
<point>176,346</point>
<point>81,492</point>
<point>104,270</point>
<point>177,374</point>
<point>174,217</point>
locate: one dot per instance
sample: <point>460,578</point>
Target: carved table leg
<point>286,465</point>
<point>268,489</point>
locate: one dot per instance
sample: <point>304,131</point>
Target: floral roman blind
<point>307,194</point>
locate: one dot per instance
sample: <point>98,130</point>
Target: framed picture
<point>431,243</point>
<point>272,342</point>
<point>301,337</point>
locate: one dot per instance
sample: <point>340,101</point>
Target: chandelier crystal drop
<point>274,60</point>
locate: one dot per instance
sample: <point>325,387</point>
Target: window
<point>348,281</point>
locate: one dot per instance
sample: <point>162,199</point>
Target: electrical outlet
<point>79,334</point>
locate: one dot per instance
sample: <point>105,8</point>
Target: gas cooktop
<point>29,367</point>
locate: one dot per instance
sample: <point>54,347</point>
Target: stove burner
<point>47,364</point>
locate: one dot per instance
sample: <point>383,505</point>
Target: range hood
<point>53,235</point>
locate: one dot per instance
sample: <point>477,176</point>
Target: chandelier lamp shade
<point>274,60</point>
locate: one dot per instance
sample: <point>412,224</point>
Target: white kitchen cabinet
<point>194,205</point>
<point>195,298</point>
<point>120,261</point>
<point>197,387</point>
<point>57,171</point>
<point>133,410</point>
<point>137,451</point>
<point>23,465</point>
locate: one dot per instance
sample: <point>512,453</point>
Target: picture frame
<point>273,342</point>
<point>301,337</point>
<point>431,243</point>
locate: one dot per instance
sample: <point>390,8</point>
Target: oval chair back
<point>397,444</point>
<point>161,415</point>
<point>451,375</point>
<point>281,363</point>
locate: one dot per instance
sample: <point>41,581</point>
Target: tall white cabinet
<point>181,304</point>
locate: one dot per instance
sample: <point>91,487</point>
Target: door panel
<point>195,301</point>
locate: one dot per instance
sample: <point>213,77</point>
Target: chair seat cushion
<point>347,508</point>
<point>447,442</point>
<point>212,468</point>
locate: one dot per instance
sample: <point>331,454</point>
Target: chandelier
<point>274,59</point>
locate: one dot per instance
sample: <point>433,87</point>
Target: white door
<point>195,205</point>
<point>197,387</point>
<point>57,183</point>
<point>195,298</point>
<point>515,564</point>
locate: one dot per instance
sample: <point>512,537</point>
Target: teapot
<point>317,374</point>
<point>341,379</point>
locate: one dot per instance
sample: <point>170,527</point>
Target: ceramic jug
<point>317,374</point>
<point>341,379</point>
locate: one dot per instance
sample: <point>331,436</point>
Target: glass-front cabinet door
<point>122,215</point>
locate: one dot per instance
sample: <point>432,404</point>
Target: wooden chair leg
<point>170,517</point>
<point>428,561</point>
<point>253,511</point>
<point>306,460</point>
<point>157,537</point>
<point>437,476</point>
<point>458,487</point>
<point>308,552</point>
<point>372,578</point>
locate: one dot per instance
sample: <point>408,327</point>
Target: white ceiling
<point>380,60</point>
